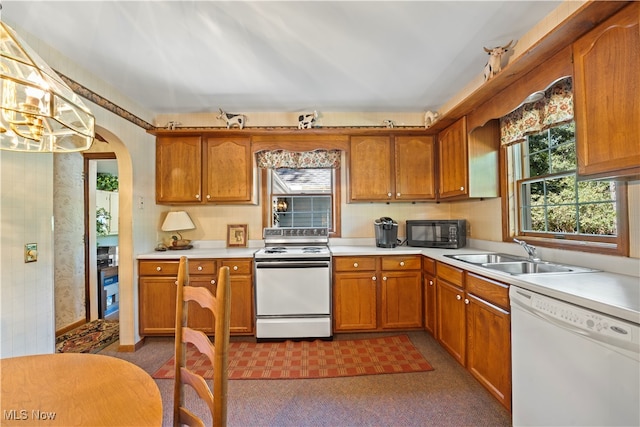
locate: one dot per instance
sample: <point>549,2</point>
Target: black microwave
<point>439,233</point>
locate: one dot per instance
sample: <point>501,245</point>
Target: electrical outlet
<point>31,252</point>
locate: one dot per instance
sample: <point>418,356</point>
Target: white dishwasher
<point>572,366</point>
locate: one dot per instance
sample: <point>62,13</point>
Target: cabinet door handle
<point>398,194</point>
<point>401,263</point>
<point>355,264</point>
<point>389,194</point>
<point>430,282</point>
<point>374,278</point>
<point>197,197</point>
<point>466,300</point>
<point>458,297</point>
<point>213,282</point>
<point>208,196</point>
<point>384,277</point>
<point>235,268</point>
<point>158,268</point>
<point>461,188</point>
<point>199,268</point>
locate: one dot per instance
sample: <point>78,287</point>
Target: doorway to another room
<point>101,205</point>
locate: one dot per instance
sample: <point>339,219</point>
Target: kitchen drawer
<point>401,262</point>
<point>158,268</point>
<point>237,266</point>
<point>202,267</point>
<point>496,293</point>
<point>349,263</point>
<point>429,265</point>
<point>451,274</point>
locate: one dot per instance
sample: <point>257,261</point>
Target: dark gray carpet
<point>447,396</point>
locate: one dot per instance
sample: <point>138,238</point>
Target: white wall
<point>26,289</point>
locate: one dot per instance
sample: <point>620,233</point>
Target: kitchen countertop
<point>201,253</point>
<point>614,294</point>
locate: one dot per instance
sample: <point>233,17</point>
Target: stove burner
<point>311,250</point>
<point>275,250</point>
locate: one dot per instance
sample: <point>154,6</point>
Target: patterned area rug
<point>89,338</point>
<point>316,359</point>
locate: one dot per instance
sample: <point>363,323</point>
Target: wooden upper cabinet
<point>370,168</point>
<point>218,170</point>
<point>387,168</point>
<point>607,97</point>
<point>452,150</point>
<point>414,167</point>
<point>178,169</point>
<point>229,172</point>
<point>468,161</point>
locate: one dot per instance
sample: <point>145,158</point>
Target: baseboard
<point>70,327</point>
<point>131,348</point>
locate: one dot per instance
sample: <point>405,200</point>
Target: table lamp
<point>176,221</point>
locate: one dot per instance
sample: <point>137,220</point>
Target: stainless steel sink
<point>515,265</point>
<point>529,267</point>
<point>485,258</point>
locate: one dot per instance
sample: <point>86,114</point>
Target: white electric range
<point>293,284</point>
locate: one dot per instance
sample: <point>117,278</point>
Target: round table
<point>77,389</point>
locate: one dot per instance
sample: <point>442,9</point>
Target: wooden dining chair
<point>217,352</point>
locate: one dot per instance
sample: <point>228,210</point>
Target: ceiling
<point>272,56</point>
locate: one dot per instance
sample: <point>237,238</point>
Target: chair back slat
<point>217,352</point>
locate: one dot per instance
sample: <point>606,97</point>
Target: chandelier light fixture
<point>38,111</point>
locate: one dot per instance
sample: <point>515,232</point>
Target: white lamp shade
<point>176,221</point>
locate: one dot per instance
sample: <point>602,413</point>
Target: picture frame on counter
<point>237,235</point>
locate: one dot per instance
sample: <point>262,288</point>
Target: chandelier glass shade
<point>38,111</point>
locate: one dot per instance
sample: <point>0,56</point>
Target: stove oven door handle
<point>287,264</point>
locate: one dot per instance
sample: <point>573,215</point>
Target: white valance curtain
<point>275,159</point>
<point>555,108</point>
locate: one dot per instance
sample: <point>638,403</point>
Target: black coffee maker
<point>386,232</point>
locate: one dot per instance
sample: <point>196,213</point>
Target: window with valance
<point>555,107</point>
<point>552,204</point>
<point>302,187</point>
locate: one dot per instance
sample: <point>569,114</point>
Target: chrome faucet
<point>531,250</point>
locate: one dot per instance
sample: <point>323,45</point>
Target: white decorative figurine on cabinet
<point>307,121</point>
<point>232,119</point>
<point>494,65</point>
<point>430,118</point>
<point>390,124</point>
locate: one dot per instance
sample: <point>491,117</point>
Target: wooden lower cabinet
<point>401,302</point>
<point>474,326</point>
<point>450,311</point>
<point>372,293</point>
<point>355,301</point>
<point>429,294</point>
<point>489,336</point>
<point>242,322</point>
<point>157,295</point>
